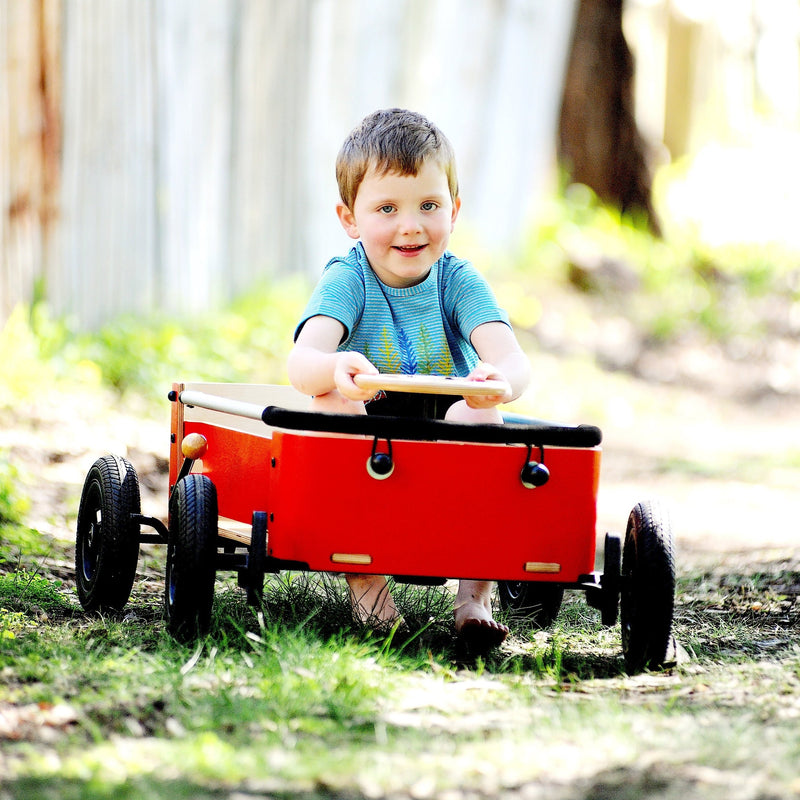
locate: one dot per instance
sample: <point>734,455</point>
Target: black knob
<point>380,465</point>
<point>534,475</point>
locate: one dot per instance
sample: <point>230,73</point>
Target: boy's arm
<point>316,368</point>
<point>501,359</point>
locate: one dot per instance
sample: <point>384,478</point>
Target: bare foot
<point>474,623</point>
<point>372,601</point>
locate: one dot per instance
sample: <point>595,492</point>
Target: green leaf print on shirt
<point>444,364</point>
<point>388,352</point>
<point>426,360</point>
<point>432,362</point>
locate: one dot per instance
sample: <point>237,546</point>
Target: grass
<point>293,698</point>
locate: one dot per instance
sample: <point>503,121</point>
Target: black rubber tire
<point>106,538</point>
<point>538,603</point>
<point>612,567</point>
<point>648,588</point>
<point>191,557</point>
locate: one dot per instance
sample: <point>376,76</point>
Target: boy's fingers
<point>487,401</point>
<point>481,372</point>
<point>486,372</point>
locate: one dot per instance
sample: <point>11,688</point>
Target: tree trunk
<point>599,143</point>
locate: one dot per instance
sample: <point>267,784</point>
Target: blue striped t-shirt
<point>422,329</point>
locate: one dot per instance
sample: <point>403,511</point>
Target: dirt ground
<point>728,472</point>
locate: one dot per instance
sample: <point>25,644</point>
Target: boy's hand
<point>486,372</point>
<point>348,364</point>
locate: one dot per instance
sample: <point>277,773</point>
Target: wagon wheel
<point>107,537</point>
<point>191,557</point>
<point>648,588</point>
<point>539,603</point>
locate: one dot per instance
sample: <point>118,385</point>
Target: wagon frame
<point>259,484</point>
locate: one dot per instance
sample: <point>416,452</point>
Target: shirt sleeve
<point>469,300</point>
<point>339,294</point>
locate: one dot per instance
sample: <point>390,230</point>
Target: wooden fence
<point>197,137</point>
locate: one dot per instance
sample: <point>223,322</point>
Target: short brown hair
<point>392,140</point>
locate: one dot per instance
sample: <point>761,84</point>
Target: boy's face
<point>403,221</point>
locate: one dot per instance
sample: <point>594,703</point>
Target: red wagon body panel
<point>449,509</point>
<point>238,465</point>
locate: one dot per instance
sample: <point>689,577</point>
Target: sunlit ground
<point>748,194</point>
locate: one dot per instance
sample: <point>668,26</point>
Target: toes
<point>481,635</point>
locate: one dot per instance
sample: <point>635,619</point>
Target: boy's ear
<point>456,209</point>
<point>348,220</point>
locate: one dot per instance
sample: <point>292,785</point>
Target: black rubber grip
<point>533,433</point>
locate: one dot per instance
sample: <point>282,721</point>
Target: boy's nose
<point>410,223</point>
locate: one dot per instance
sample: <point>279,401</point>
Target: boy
<point>400,302</point>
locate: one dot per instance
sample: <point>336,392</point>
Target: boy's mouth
<point>410,249</point>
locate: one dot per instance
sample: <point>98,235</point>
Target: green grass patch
<point>247,341</point>
<point>294,698</point>
<point>19,544</point>
<point>13,502</point>
<point>23,589</point>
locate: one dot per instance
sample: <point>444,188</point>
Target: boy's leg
<point>372,601</point>
<point>461,412</point>
<point>336,403</point>
<point>473,616</point>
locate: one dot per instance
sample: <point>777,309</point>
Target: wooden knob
<point>194,446</point>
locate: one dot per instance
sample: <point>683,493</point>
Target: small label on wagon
<point>542,566</point>
<point>351,558</point>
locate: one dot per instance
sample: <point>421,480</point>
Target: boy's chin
<point>409,274</point>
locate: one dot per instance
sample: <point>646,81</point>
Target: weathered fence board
<point>109,260</point>
<point>29,133</point>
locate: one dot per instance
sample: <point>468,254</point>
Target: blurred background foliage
<point>585,260</point>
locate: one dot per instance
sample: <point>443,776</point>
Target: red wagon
<point>258,484</point>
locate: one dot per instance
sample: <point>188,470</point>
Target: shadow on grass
<point>67,789</point>
<point>573,649</point>
<point>621,783</point>
<point>739,614</point>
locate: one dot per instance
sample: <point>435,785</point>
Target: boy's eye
<point>386,209</point>
<point>429,206</point>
